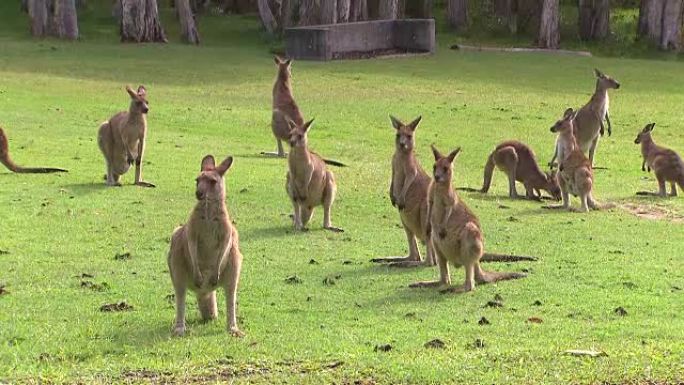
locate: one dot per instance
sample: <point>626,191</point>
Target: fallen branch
<point>463,47</point>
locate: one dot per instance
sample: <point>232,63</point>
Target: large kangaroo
<point>309,183</point>
<point>589,118</point>
<point>122,139</point>
<point>456,234</point>
<point>205,252</point>
<point>666,164</point>
<point>7,160</point>
<point>285,108</point>
<point>409,193</point>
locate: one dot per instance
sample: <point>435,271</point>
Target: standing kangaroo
<point>667,164</point>
<point>309,183</point>
<point>7,160</point>
<point>518,161</point>
<point>285,108</point>
<point>409,193</point>
<point>205,252</point>
<point>122,139</point>
<point>589,118</point>
<point>576,174</point>
<point>456,234</point>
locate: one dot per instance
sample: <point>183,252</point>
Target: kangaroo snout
<point>199,195</point>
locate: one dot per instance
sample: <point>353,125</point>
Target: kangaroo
<point>6,160</point>
<point>589,119</point>
<point>309,183</point>
<point>284,106</point>
<point>667,164</point>
<point>122,139</point>
<point>518,161</point>
<point>409,193</point>
<point>576,174</point>
<point>205,252</point>
<point>456,234</point>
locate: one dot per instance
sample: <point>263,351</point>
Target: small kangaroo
<point>284,106</point>
<point>518,161</point>
<point>456,234</point>
<point>667,164</point>
<point>589,118</point>
<point>309,183</point>
<point>122,139</point>
<point>205,252</point>
<point>7,160</point>
<point>409,193</point>
<point>576,174</point>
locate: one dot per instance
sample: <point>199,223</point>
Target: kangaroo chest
<point>213,236</point>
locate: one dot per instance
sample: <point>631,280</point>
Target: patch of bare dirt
<point>653,212</point>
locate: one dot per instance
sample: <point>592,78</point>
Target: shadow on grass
<point>267,232</point>
<point>86,188</point>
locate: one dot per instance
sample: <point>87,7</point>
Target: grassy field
<point>215,99</point>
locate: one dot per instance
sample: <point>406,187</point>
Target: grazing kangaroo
<point>7,160</point>
<point>122,139</point>
<point>518,161</point>
<point>205,252</point>
<point>667,164</point>
<point>575,171</point>
<point>589,118</point>
<point>456,234</point>
<point>409,193</point>
<point>285,108</point>
<point>309,183</point>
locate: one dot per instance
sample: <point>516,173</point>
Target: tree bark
<point>457,14</point>
<point>388,9</point>
<point>328,11</point>
<point>343,10</point>
<point>425,9</point>
<point>24,6</point>
<point>549,33</point>
<point>594,19</point>
<point>672,25</point>
<point>38,14</point>
<point>140,22</point>
<point>660,21</point>
<point>650,19</point>
<point>189,33</point>
<point>358,11</point>
<point>308,12</point>
<point>266,16</point>
<point>64,23</point>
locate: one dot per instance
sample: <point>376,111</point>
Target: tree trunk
<point>343,10</point>
<point>189,33</point>
<point>660,21</point>
<point>594,19</point>
<point>266,16</point>
<point>672,25</point>
<point>358,11</point>
<point>328,11</point>
<point>24,6</point>
<point>651,19</point>
<point>140,22</point>
<point>308,12</point>
<point>388,9</point>
<point>425,9</point>
<point>457,14</point>
<point>38,14</point>
<point>549,34</point>
<point>64,23</point>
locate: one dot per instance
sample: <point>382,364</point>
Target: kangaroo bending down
<point>205,252</point>
<point>589,119</point>
<point>518,161</point>
<point>666,164</point>
<point>285,108</point>
<point>7,160</point>
<point>122,139</point>
<point>309,183</point>
<point>409,193</point>
<point>456,234</point>
<point>575,171</point>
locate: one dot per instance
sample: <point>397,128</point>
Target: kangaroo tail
<point>482,276</point>
<point>7,161</point>
<point>488,171</point>
<point>494,257</point>
<point>334,163</point>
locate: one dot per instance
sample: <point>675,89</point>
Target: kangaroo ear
<point>598,73</point>
<point>568,113</point>
<point>452,155</point>
<point>208,163</point>
<point>438,155</point>
<point>277,60</point>
<point>415,123</point>
<point>130,91</point>
<point>651,126</point>
<point>288,62</point>
<point>225,165</point>
<point>396,123</point>
<point>141,90</point>
<point>307,125</point>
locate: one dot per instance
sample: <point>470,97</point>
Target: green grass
<point>216,99</point>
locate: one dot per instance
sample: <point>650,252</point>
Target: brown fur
<point>309,183</point>
<point>589,119</point>
<point>409,193</point>
<point>665,163</point>
<point>576,175</point>
<point>6,160</point>
<point>456,234</point>
<point>285,108</point>
<point>122,139</point>
<point>205,252</point>
<point>518,161</point>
